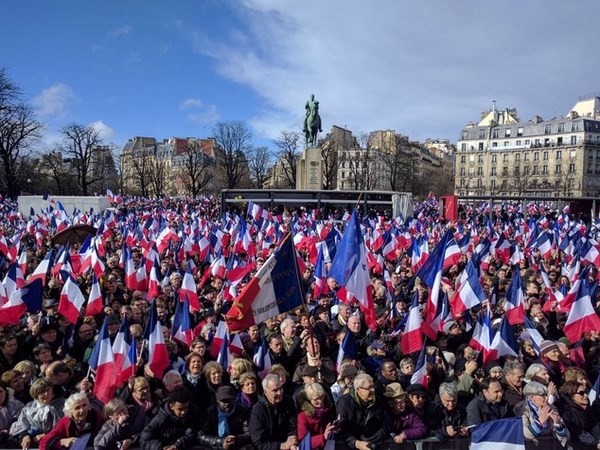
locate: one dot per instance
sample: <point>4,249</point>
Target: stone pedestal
<point>309,170</point>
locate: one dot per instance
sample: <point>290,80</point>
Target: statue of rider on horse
<point>312,122</point>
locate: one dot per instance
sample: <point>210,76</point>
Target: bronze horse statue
<point>312,125</point>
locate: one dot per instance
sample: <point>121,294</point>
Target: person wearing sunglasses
<point>579,417</point>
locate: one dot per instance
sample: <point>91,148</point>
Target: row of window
<point>504,184</point>
<point>517,156</point>
<point>508,132</point>
<point>534,170</point>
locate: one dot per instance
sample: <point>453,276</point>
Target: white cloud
<point>121,31</point>
<point>53,102</point>
<point>200,113</point>
<point>426,68</point>
<point>191,103</point>
<point>106,133</point>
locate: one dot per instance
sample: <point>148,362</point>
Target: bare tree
<point>233,141</point>
<point>54,164</point>
<point>80,142</point>
<point>399,164</point>
<point>288,144</point>
<point>329,153</point>
<point>141,162</point>
<point>158,177</point>
<point>259,161</point>
<point>18,131</point>
<point>196,171</point>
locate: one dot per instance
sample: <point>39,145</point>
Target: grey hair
<point>270,378</point>
<point>287,322</point>
<point>448,389</point>
<point>511,365</point>
<point>533,370</point>
<point>73,400</point>
<point>534,388</point>
<point>171,375</point>
<point>361,378</point>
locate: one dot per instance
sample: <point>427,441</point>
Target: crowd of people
<point>312,389</point>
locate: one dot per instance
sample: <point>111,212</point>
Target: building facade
<point>151,167</point>
<point>505,156</point>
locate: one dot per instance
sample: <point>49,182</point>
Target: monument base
<point>309,170</point>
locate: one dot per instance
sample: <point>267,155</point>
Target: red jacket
<point>316,426</point>
<point>66,428</point>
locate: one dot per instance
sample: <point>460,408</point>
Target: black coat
<point>238,423</point>
<point>271,425</point>
<point>480,411</point>
<point>359,423</point>
<point>166,429</point>
<point>110,434</point>
<point>583,424</point>
<point>438,418</point>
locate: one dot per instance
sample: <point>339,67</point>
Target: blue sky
<point>422,68</point>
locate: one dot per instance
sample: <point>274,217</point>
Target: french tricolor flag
<point>262,360</point>
<point>544,244</point>
<point>41,271</point>
<point>582,316</point>
<point>188,290</point>
<point>95,304</point>
<point>470,293</point>
<point>431,274</point>
<point>29,297</point>
<point>535,335</point>
<point>347,351</point>
<point>504,343</point>
<point>412,338</point>
<point>349,269</point>
<point>125,360</point>
<point>158,356</point>
<point>514,306</point>
<point>503,434</point>
<point>71,300</point>
<point>420,374</point>
<point>481,339</point>
<point>102,362</point>
<point>452,254</point>
<point>182,328</point>
<point>321,287</point>
<point>278,278</point>
<point>154,281</point>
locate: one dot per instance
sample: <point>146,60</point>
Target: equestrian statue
<point>312,122</point>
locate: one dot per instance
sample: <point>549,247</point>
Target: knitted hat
<point>547,346</point>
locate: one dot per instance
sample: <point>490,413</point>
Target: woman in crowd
<point>192,378</point>
<point>316,417</point>
<point>580,419</point>
<point>248,395</point>
<point>37,418</point>
<point>539,373</point>
<point>239,366</point>
<point>115,432</point>
<point>550,358</point>
<point>9,411</point>
<point>79,420</point>
<point>14,379</point>
<point>214,378</point>
<point>540,418</point>
<point>401,421</point>
<point>140,404</point>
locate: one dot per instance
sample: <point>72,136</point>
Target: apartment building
<point>506,156</point>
